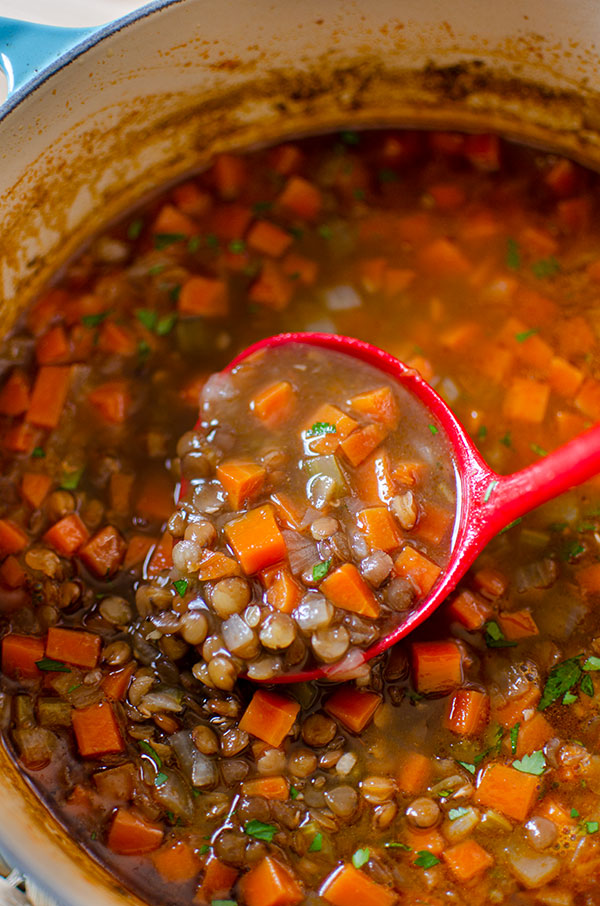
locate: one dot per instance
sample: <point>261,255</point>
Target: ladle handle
<point>507,497</point>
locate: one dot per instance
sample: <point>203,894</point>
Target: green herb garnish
<point>489,490</point>
<point>591,663</point>
<point>545,267</point>
<point>361,857</point>
<point>569,698</point>
<point>143,350</point>
<point>38,453</point>
<point>73,688</point>
<point>387,175</point>
<point>320,570</point>
<point>160,779</point>
<point>531,764</point>
<point>193,244</point>
<point>468,767</point>
<point>514,735</point>
<point>513,254</point>
<point>539,451</point>
<point>94,320</point>
<point>592,827</point>
<point>166,324</point>
<point>147,748</point>
<point>180,586</point>
<point>574,813</point>
<point>573,550</point>
<point>135,228</point>
<point>506,439</point>
<point>318,429</point>
<point>155,270</point>
<point>48,663</point>
<point>434,429</point>
<point>147,316</point>
<point>394,845</point>
<point>259,830</point>
<point>70,480</point>
<point>525,334</point>
<point>425,859</point>
<point>237,246</point>
<point>294,793</point>
<point>325,231</point>
<point>495,638</point>
<point>316,844</point>
<point>482,432</point>
<point>587,685</point>
<point>349,137</point>
<point>562,678</point>
<point>164,240</point>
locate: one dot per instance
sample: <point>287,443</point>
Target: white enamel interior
<point>132,111</point>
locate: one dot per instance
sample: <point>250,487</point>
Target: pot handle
<point>27,48</point>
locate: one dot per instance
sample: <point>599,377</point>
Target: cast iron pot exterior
<point>141,102</point>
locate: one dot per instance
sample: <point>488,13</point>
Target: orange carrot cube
<point>272,287</point>
<point>241,480</point>
<point>14,396</point>
<point>203,297</point>
<point>67,535</point>
<point>274,404</point>
<point>12,538</point>
<point>517,624</point>
<point>436,667</point>
<point>467,712</point>
<point>112,400</point>
<point>353,708</point>
<point>269,239</point>
<point>422,572</point>
<point>467,860</point>
<point>269,883</point>
<point>269,717</point>
<point>177,863</point>
<point>256,539</point>
<point>346,588</point>
<point>132,835</point>
<point>526,400</point>
<point>507,790</point>
<point>97,731</point>
<point>20,654</point>
<point>74,646</point>
<point>301,198</point>
<point>358,445</point>
<point>104,553</point>
<point>34,487</point>
<point>469,610</point>
<point>380,405</point>
<point>414,773</point>
<point>379,528</point>
<point>347,885</point>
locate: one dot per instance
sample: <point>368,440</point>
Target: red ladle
<point>486,502</point>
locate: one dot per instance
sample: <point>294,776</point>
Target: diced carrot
<point>272,287</point>
<point>298,267</point>
<point>511,712</point>
<point>162,556</point>
<point>534,307</point>
<point>301,198</point>
<point>217,881</point>
<point>421,572</point>
<point>409,473</point>
<point>419,839</point>
<point>467,712</point>
<point>34,487</point>
<point>269,883</point>
<point>490,582</point>
<point>74,646</point>
<point>414,773</point>
<point>116,339</point>
<point>289,510</point>
<point>21,438</point>
<point>137,550</point>
<point>436,667</point>
<point>422,365</point>
<point>434,523</point>
<point>120,488</point>
<point>535,352</point>
<point>274,404</point>
<point>361,443</point>
<point>396,280</point>
<point>443,258</point>
<point>347,886</point>
<point>555,811</point>
<point>45,309</point>
<point>285,159</point>
<point>191,200</point>
<point>241,480</point>
<point>97,731</point>
<point>49,395</point>
<point>53,347</point>
<point>507,790</point>
<point>14,396</point>
<point>269,239</point>
<point>483,151</point>
<point>517,624</point>
<point>177,863</point>
<point>172,222</point>
<point>588,398</point>
<point>569,424</point>
<point>12,538</point>
<point>346,588</point>
<point>526,400</point>
<point>353,708</point>
<point>469,610</point>
<point>229,175</point>
<point>329,415</point>
<point>447,143</point>
<point>190,392</point>
<point>155,501</point>
<point>494,361</point>
<point>67,535</point>
<point>20,654</point>
<point>204,297</point>
<point>564,378</point>
<point>104,552</point>
<point>533,734</point>
<point>230,221</point>
<point>588,578</point>
<point>115,684</point>
<point>574,214</point>
<point>80,798</point>
<point>561,178</point>
<point>284,593</point>
<point>132,835</point>
<point>536,241</point>
<point>267,787</point>
<point>575,337</point>
<point>12,573</point>
<point>373,480</point>
<point>112,400</point>
<point>256,539</point>
<point>467,859</point>
<point>447,195</point>
<point>269,717</point>
<point>371,273</point>
<point>379,528</point>
<point>82,341</point>
<point>380,405</point>
<point>460,335</point>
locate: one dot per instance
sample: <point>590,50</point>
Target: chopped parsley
<point>193,244</point>
<point>573,550</point>
<point>561,679</point>
<point>349,137</point>
<point>160,779</point>
<point>506,439</point>
<point>434,429</point>
<point>394,845</point>
<point>531,764</point>
<point>569,698</point>
<point>294,793</point>
<point>495,638</point>
<point>591,663</point>
<point>164,240</point>
<point>525,334</point>
<point>318,429</point>
<point>73,688</point>
<point>237,246</point>
<point>592,827</point>
<point>482,432</point>
<point>513,254</point>
<point>70,480</point>
<point>180,586</point>
<point>387,175</point>
<point>455,813</point>
<point>489,490</point>
<point>261,207</point>
<point>223,903</point>
<point>511,525</point>
<point>143,350</point>
<point>587,685</point>
<point>48,663</point>
<point>425,859</point>
<point>166,324</point>
<point>204,849</point>
<point>574,813</point>
<point>38,453</point>
<point>467,766</point>
<point>147,316</point>
<point>539,451</point>
<point>155,270</point>
<point>545,267</point>
<point>259,830</point>
<point>320,570</point>
<point>514,735</point>
<point>150,752</point>
<point>358,193</point>
<point>325,231</point>
<point>135,228</point>
<point>361,857</point>
<point>316,844</point>
<point>94,320</point>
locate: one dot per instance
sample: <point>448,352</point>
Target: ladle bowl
<point>486,502</point>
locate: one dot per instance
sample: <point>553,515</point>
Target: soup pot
<point>95,119</point>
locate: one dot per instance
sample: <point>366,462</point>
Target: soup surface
<point>461,768</point>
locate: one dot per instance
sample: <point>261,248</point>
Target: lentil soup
<point>461,767</point>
